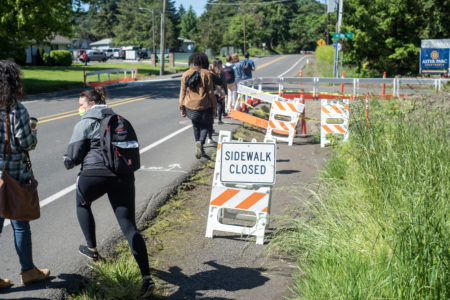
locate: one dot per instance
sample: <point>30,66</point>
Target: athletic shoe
<point>148,286</point>
<point>84,250</point>
<point>220,122</point>
<point>199,148</point>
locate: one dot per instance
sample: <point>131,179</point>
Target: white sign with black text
<point>253,163</point>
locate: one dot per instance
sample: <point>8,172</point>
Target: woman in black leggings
<point>96,180</point>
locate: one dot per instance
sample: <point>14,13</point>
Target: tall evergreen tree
<point>105,19</point>
<point>189,24</point>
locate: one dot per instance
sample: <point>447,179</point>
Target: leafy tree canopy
<point>22,22</point>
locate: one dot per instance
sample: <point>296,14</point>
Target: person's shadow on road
<point>221,278</point>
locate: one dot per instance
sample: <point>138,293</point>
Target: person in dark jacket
<point>220,88</point>
<point>95,180</point>
<point>23,139</point>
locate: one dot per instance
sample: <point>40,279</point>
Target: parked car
<point>95,55</point>
<point>117,53</point>
<point>108,52</point>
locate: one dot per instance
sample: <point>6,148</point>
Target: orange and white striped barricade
<point>283,119</point>
<point>241,189</point>
<point>334,120</point>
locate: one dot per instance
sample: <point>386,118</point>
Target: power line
<point>249,3</point>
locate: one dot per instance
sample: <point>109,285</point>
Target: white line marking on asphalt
<point>164,139</point>
<point>71,188</point>
<point>281,75</point>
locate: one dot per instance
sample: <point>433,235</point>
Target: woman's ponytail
<point>100,95</point>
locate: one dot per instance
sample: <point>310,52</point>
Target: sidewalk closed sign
<point>248,163</point>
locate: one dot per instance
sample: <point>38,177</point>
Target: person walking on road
<point>239,72</point>
<point>96,179</point>
<point>197,99</point>
<point>230,76</point>
<point>220,88</point>
<point>248,66</point>
<point>15,115</point>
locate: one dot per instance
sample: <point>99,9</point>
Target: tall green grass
<point>325,63</point>
<point>379,229</point>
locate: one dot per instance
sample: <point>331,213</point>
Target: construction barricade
<point>132,72</point>
<point>241,189</point>
<point>334,121</point>
<point>283,119</point>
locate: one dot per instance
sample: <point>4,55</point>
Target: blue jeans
<point>22,242</point>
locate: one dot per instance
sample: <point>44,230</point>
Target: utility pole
<point>338,30</point>
<point>163,37</point>
<point>153,30</point>
<point>328,29</point>
<point>245,40</point>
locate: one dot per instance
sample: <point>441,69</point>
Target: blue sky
<point>197,5</point>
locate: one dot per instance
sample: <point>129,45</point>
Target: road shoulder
<point>186,265</point>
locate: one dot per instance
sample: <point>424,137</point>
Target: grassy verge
<point>38,79</point>
<point>381,229</point>
<point>325,63</point>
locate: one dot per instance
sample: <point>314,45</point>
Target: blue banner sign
<point>434,60</point>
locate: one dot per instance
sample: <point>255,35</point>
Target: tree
<point>23,21</point>
<point>189,24</point>
<point>388,33</point>
<point>181,11</point>
<point>307,26</point>
<point>134,26</point>
<point>105,19</point>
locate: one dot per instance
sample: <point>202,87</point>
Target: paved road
<point>169,149</point>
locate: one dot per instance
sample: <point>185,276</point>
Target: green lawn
<point>38,79</point>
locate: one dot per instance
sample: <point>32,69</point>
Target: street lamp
<point>153,25</point>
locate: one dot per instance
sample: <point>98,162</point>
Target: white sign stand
<point>247,200</point>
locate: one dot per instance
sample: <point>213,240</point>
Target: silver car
<point>95,55</point>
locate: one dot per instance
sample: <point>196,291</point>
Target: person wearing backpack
<point>248,66</point>
<point>230,76</point>
<point>197,99</point>
<point>105,145</point>
<point>239,72</point>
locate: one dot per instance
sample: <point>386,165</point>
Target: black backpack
<point>247,67</point>
<point>119,145</point>
<point>229,74</point>
<point>193,79</point>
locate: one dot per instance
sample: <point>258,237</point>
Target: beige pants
<point>231,97</point>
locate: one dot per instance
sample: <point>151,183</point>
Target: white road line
<point>298,61</point>
<point>71,188</point>
<point>164,139</point>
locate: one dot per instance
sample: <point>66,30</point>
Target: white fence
<point>398,86</point>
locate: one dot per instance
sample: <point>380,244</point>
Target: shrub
<point>46,59</point>
<point>61,58</point>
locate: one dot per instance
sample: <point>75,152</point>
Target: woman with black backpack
<point>96,179</point>
<point>197,99</point>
